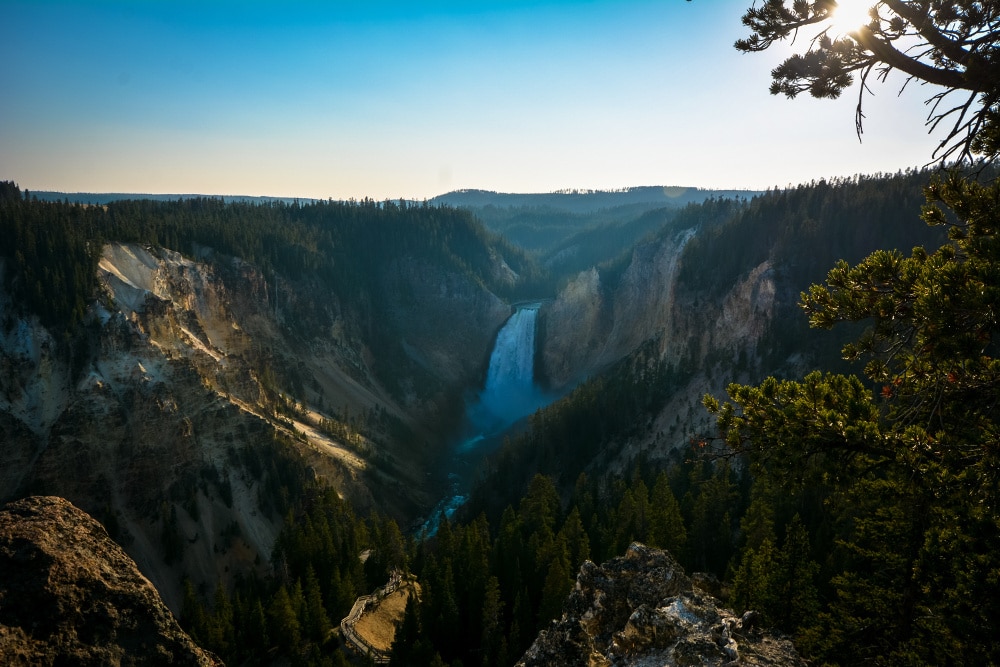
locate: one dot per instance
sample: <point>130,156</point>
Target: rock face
<point>591,325</point>
<point>171,402</point>
<point>433,309</point>
<point>641,609</point>
<point>70,595</point>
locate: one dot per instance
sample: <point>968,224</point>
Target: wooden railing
<point>356,641</point>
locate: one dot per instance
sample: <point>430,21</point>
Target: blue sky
<point>413,99</point>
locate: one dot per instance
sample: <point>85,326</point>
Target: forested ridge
<point>809,227</point>
<point>874,541</point>
<point>343,249</point>
<point>802,232</point>
<point>54,246</point>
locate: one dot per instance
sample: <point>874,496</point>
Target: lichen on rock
<point>641,609</point>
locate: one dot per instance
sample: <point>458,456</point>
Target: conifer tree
<point>318,622</point>
<point>799,595</point>
<point>952,45</point>
<point>756,583</point>
<point>406,647</point>
<point>557,586</point>
<point>283,623</point>
<point>666,525</point>
<point>573,535</point>
<point>492,639</point>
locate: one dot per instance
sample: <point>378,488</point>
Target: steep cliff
<point>649,319</point>
<point>641,609</point>
<point>711,299</point>
<point>171,413</point>
<point>446,322</point>
<point>591,325</point>
<point>70,595</point>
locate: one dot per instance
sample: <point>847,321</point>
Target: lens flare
<point>848,16</point>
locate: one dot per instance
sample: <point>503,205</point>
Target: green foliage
<point>933,341</point>
<point>666,524</point>
<point>777,583</point>
<point>487,592</point>
<point>711,536</point>
<point>52,250</point>
<point>318,573</point>
<point>283,620</point>
<point>906,478</point>
<point>805,229</point>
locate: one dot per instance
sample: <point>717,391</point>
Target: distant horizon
<point>563,191</point>
<point>389,100</point>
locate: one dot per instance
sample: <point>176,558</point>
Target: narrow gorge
<point>508,395</point>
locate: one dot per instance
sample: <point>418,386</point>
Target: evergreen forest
<point>841,477</point>
<point>855,509</point>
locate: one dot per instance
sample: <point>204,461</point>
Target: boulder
<point>70,595</point>
<point>641,609</point>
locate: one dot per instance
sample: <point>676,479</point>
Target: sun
<point>849,15</point>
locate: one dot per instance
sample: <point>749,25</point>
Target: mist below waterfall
<point>510,392</point>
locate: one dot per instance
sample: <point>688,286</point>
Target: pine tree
<point>555,589</point>
<point>666,525</point>
<point>408,635</point>
<point>317,619</point>
<point>906,467</point>
<point>799,597</point>
<point>573,535</point>
<point>222,635</point>
<point>283,624</point>
<point>492,638</point>
<point>757,581</point>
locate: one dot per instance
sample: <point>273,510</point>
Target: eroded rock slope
<point>70,595</point>
<point>162,419</point>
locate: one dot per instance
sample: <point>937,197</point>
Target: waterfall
<point>510,391</point>
<point>508,395</point>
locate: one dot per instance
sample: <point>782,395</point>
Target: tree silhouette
<point>951,44</point>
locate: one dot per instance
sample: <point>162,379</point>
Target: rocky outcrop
<point>166,403</point>
<point>70,595</point>
<point>591,325</point>
<point>641,609</point>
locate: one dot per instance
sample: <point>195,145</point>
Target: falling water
<point>509,394</point>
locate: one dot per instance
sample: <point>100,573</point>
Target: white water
<point>508,395</point>
<point>510,392</point>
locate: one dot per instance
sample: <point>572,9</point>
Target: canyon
<point>202,389</point>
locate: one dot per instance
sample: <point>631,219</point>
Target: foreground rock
<point>70,595</point>
<point>641,609</point>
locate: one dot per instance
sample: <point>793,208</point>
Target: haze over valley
<point>191,382</point>
<point>492,334</point>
